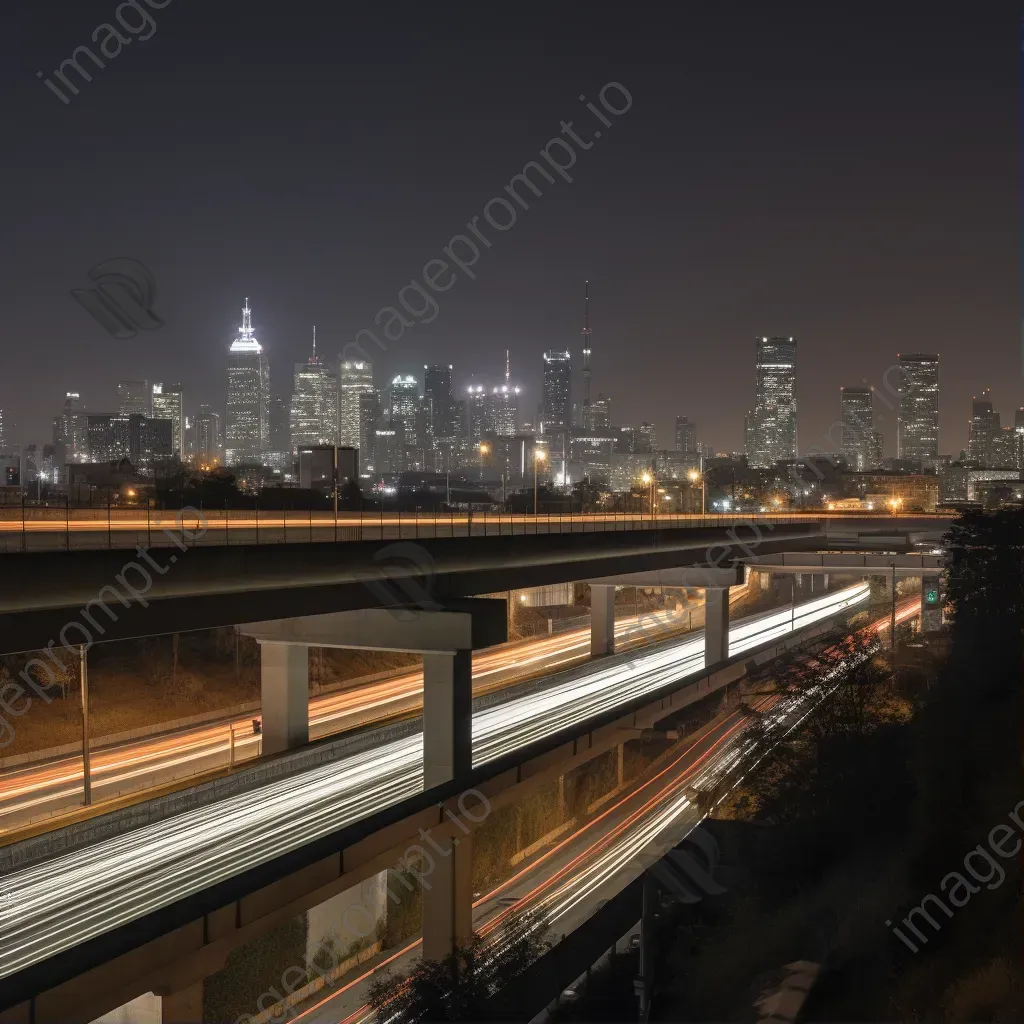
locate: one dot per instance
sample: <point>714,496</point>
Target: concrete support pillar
<point>447,717</point>
<point>448,898</point>
<point>620,767</point>
<point>602,619</point>
<point>183,1007</point>
<point>716,624</point>
<point>561,799</point>
<point>284,691</point>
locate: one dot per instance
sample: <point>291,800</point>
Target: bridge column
<point>716,624</point>
<point>602,619</point>
<point>447,716</point>
<point>184,1006</point>
<point>448,902</point>
<point>284,692</point>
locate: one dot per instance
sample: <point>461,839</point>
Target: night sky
<point>844,176</point>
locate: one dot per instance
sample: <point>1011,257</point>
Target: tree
<point>460,986</point>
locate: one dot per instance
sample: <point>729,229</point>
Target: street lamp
<point>694,476</point>
<point>539,455</point>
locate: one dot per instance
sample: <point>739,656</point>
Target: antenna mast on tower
<point>586,348</point>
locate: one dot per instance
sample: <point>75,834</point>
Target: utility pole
<point>84,679</point>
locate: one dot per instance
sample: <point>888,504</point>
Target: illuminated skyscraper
<point>858,425</point>
<point>983,440</point>
<point>476,412</point>
<point>587,419</point>
<point>918,423</point>
<point>503,407</point>
<point>770,429</point>
<point>313,413</point>
<point>169,404</point>
<point>134,398</point>
<point>355,378</point>
<point>404,400</point>
<point>557,413</point>
<point>247,423</point>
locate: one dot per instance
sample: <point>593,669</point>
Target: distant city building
<point>208,443</point>
<point>403,402</point>
<point>770,428</point>
<point>476,412</point>
<point>313,413</point>
<point>108,438</point>
<point>369,414</point>
<point>876,450</point>
<point>557,410</point>
<point>647,439</point>
<point>918,421</point>
<point>169,404</point>
<point>858,427</point>
<point>904,492</point>
<point>134,398</point>
<point>984,432</point>
<point>247,423</point>
<point>503,406</point>
<point>280,426</point>
<point>686,435</point>
<point>70,435</point>
<point>597,417</point>
<point>150,442</point>
<point>355,379</point>
<point>437,394</point>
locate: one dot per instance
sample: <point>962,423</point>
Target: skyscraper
<point>770,429</point>
<point>247,423</point>
<point>982,438</point>
<point>686,436</point>
<point>600,411</point>
<point>476,412</point>
<point>917,424</point>
<point>404,400</point>
<point>355,379</point>
<point>858,426</point>
<point>437,393</point>
<point>169,404</point>
<point>556,417</point>
<point>208,436</point>
<point>133,398</point>
<point>313,414</point>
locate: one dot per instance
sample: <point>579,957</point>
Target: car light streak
<point>57,905</point>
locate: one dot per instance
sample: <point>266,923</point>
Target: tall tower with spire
<point>586,351</point>
<point>247,423</point>
<point>313,413</point>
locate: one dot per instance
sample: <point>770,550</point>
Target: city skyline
<point>687,258</point>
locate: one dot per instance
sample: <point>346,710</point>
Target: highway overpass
<point>175,894</point>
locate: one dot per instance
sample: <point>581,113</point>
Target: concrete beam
<point>682,576</point>
<point>602,619</point>
<point>284,691</point>
<point>465,625</point>
<point>855,564</point>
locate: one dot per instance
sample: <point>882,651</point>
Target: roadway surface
<point>37,790</point>
<point>53,529</point>
<point>570,880</point>
<point>52,907</point>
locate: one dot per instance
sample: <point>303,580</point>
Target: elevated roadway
<point>119,892</point>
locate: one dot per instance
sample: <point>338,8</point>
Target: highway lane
<point>57,905</point>
<point>571,877</point>
<point>37,790</point>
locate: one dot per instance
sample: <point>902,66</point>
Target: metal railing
<point>56,528</point>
